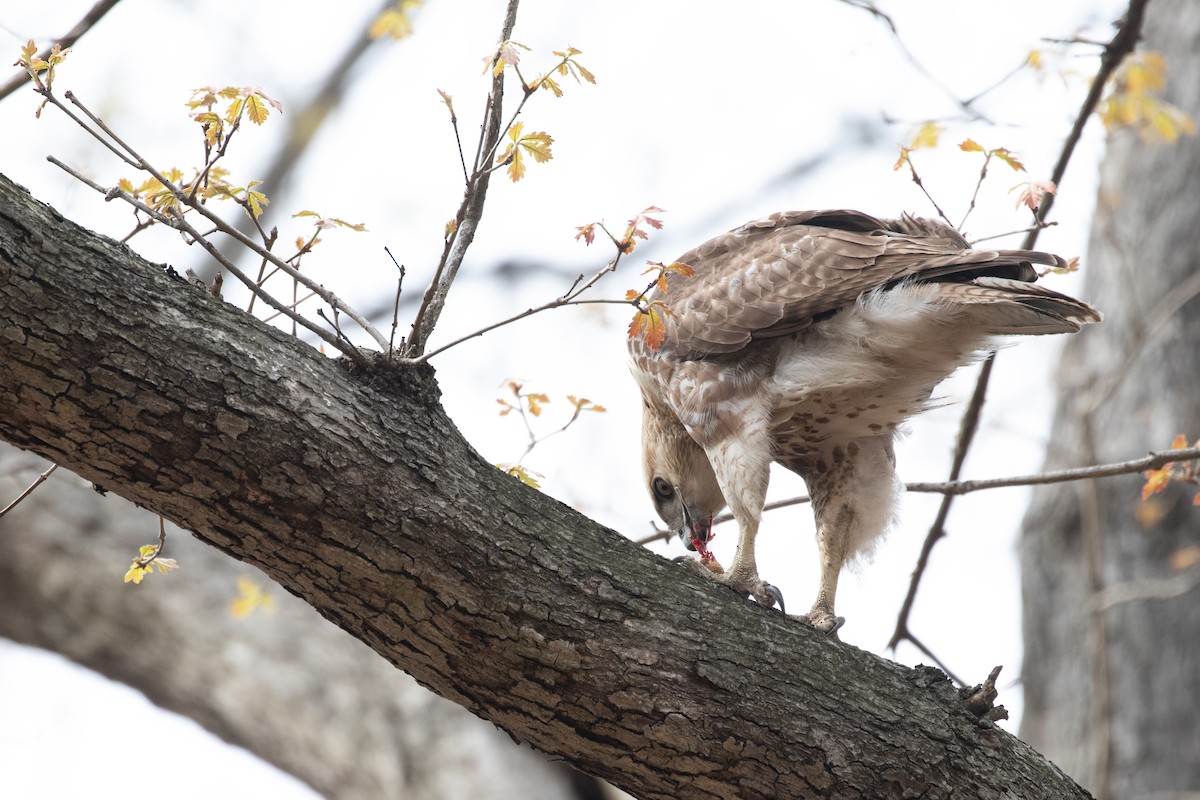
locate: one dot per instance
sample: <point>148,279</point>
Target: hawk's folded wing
<point>776,275</point>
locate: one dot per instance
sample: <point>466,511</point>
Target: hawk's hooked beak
<point>696,532</point>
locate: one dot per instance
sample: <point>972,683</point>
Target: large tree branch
<point>354,491</point>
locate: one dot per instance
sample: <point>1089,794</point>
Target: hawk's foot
<point>823,620</point>
<point>738,580</point>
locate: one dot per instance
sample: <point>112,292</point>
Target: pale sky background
<point>700,108</point>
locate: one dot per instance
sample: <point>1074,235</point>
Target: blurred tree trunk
<point>1112,631</point>
<point>288,686</point>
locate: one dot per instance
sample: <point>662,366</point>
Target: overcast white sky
<point>703,109</point>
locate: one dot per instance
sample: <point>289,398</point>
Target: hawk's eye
<point>663,490</point>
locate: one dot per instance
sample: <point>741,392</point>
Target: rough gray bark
<point>288,686</point>
<point>353,490</point>
<point>1110,694</point>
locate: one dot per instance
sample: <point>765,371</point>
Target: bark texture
<point>1112,632</point>
<point>353,490</point>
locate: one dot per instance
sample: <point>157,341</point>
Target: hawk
<point>806,338</point>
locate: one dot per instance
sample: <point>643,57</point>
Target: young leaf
<point>586,232</point>
<point>526,476</point>
<point>250,598</point>
<point>394,22</point>
<point>927,136</point>
<point>650,324</point>
<point>1008,157</point>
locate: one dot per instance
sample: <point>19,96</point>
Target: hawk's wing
<point>776,275</point>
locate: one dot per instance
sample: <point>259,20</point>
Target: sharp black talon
<point>838,623</point>
<point>778,595</point>
<point>680,559</point>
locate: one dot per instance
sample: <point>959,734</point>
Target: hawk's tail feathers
<point>1006,307</point>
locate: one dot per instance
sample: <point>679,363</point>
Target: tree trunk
<point>287,685</point>
<point>352,489</point>
<point>1112,632</point>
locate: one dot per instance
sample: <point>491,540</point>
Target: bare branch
<point>29,490</point>
<point>469,214</point>
<point>1152,461</point>
<point>179,223</point>
<point>570,298</point>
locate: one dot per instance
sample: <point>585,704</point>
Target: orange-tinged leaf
<point>1032,193</point>
<point>1156,481</point>
<point>970,146</point>
<point>650,324</point>
<point>535,402</point>
<point>903,159</point>
<point>583,404</point>
<point>586,232</point>
<point>1179,442</point>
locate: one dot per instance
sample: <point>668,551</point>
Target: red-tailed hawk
<point>806,338</point>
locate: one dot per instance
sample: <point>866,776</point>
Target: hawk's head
<point>680,478</point>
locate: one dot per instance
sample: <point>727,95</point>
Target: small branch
<point>1151,461</point>
<point>1028,230</point>
<point>37,482</point>
<point>183,225</point>
<point>982,698</point>
<point>89,20</point>
<point>873,10</point>
<point>983,171</point>
<point>916,178</point>
<point>136,160</point>
<point>470,211</point>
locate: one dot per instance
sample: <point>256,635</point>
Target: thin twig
<point>219,223</point>
<point>179,223</point>
<point>916,178</point>
<point>1154,460</point>
<point>89,20</point>
<point>37,482</point>
<point>869,7</point>
<point>570,298</point>
<point>1040,225</point>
